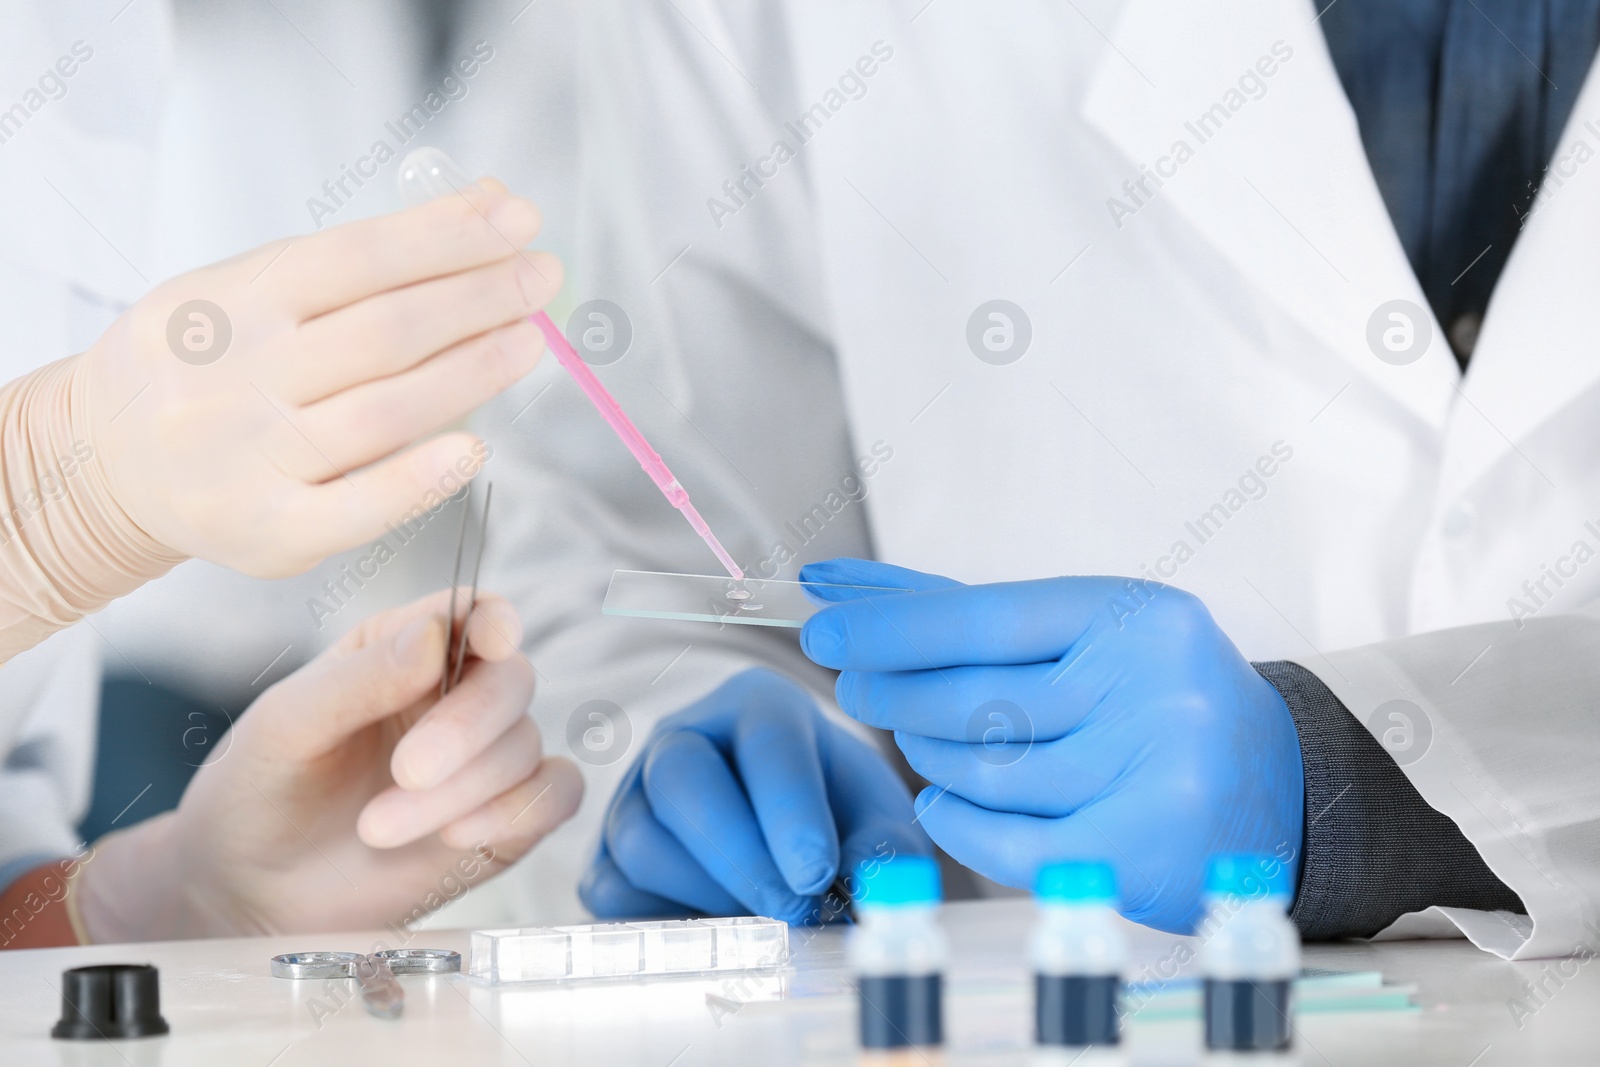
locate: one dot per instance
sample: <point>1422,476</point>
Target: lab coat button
<point>1459,520</point>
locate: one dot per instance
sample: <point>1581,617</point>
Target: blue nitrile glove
<point>747,801</point>
<point>1070,718</point>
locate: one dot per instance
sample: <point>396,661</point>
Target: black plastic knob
<point>110,1000</point>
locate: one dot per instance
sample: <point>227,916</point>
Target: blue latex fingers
<point>969,625</point>
<point>874,809</point>
<point>967,703</point>
<point>1007,848</point>
<point>1005,845</point>
<point>695,795</point>
<point>778,753</point>
<point>654,861</point>
<point>1071,772</point>
<point>608,894</point>
<point>844,570</point>
<point>748,799</point>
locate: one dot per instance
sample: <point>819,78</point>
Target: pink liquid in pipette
<point>648,458</point>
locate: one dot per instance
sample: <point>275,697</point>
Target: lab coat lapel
<point>1537,352</point>
<point>1279,183</point>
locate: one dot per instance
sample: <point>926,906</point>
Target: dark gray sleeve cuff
<point>1373,850</point>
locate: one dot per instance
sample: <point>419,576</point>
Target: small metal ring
<point>315,964</point>
<point>421,960</point>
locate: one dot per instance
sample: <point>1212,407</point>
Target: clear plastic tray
<point>629,950</point>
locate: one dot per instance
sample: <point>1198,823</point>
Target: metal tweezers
<point>455,647</point>
<point>375,975</point>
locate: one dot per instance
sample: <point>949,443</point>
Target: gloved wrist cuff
<point>136,886</point>
<point>67,547</point>
<point>1372,849</point>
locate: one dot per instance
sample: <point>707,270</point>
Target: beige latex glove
<point>347,795</point>
<point>289,443</point>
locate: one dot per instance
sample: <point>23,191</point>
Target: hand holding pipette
<point>428,173</point>
<point>265,412</point>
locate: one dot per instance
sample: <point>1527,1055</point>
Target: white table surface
<point>225,1009</point>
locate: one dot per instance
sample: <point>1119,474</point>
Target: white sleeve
<point>729,374</point>
<point>86,152</point>
<point>1498,727</point>
<point>49,697</point>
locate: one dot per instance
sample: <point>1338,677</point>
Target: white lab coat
<point>70,152</point>
<point>191,133</point>
<point>1203,356</point>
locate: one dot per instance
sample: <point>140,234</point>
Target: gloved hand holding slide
<point>1055,724</point>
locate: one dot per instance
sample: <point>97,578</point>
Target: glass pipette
<point>427,173</point>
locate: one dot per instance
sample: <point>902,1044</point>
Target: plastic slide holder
<point>629,950</point>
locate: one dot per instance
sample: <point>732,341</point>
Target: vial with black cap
<point>1079,953</point>
<point>897,953</point>
<point>1250,958</point>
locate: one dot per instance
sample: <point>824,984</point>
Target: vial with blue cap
<point>897,952</point>
<point>1250,956</point>
<point>1079,954</point>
